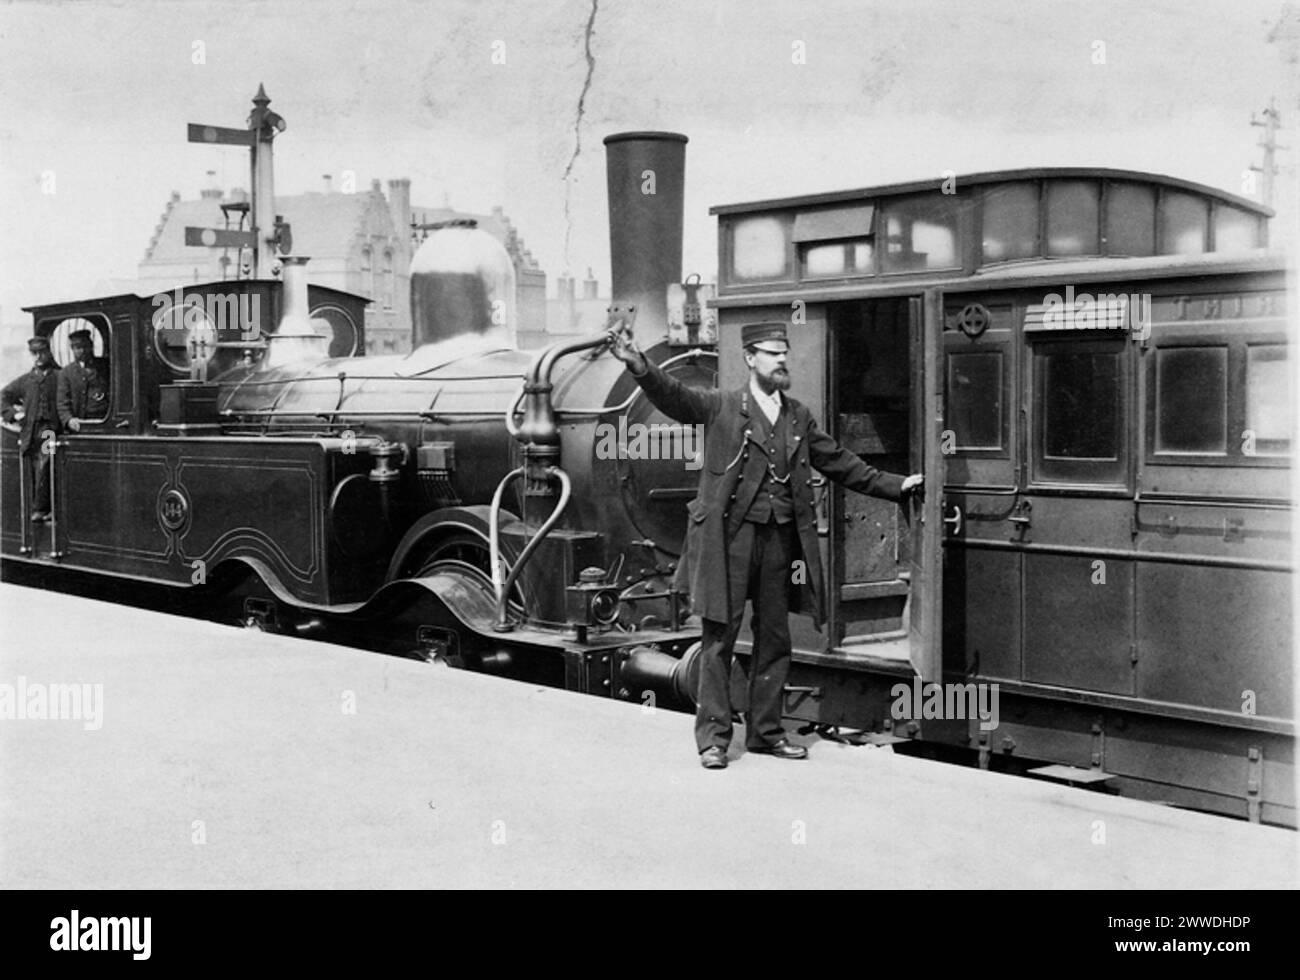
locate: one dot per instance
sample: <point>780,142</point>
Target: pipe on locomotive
<point>541,438</point>
<point>645,179</point>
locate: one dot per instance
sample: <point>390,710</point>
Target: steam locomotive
<point>1104,541</point>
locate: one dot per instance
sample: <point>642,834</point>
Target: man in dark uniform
<point>30,399</point>
<point>83,384</point>
<point>752,531</point>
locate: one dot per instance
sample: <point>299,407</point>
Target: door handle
<point>819,506</point>
<point>1020,515</point>
<point>956,520</point>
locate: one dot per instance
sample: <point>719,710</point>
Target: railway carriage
<point>1099,360</point>
<point>1090,367</point>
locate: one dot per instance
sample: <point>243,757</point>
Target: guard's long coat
<point>735,461</point>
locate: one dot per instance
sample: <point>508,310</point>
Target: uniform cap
<point>770,335</point>
<point>79,335</point>
<point>38,344</point>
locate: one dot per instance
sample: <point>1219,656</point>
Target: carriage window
<point>1191,400</point>
<point>838,259</point>
<point>1073,208</point>
<point>920,233</point>
<point>1183,219</point>
<point>974,400</point>
<point>1079,418</point>
<point>758,248</point>
<point>1268,401</point>
<point>1234,230</point>
<point>1011,222</point>
<point>1130,220</point>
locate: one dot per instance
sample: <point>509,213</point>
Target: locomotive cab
<point>161,355</point>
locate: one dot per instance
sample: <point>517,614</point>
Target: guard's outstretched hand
<point>913,481</point>
<point>623,346</point>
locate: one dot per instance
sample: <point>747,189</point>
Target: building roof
<point>324,225</point>
<point>495,224</point>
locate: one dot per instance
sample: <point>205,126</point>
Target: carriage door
<point>886,408</point>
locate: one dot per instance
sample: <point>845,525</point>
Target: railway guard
<point>36,392</point>
<point>754,507</point>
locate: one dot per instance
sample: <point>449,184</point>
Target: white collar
<point>771,404</point>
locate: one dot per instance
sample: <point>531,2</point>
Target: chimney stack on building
<point>399,203</point>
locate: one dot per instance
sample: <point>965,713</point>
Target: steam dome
<point>462,281</point>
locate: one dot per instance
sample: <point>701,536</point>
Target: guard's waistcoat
<point>773,502</point>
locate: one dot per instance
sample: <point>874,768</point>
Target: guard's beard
<point>778,380</point>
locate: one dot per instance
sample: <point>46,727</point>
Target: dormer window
<point>367,273</point>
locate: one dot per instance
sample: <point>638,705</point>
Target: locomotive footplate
<point>447,617</point>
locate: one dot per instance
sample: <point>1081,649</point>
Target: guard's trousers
<point>760,564</point>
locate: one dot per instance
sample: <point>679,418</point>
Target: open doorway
<point>873,403</point>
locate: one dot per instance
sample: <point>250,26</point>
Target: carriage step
<point>882,738</point>
<point>1071,775</point>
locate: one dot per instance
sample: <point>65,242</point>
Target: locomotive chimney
<point>295,338</point>
<point>646,178</point>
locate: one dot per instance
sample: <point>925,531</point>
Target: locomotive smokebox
<point>462,282</point>
<point>646,174</point>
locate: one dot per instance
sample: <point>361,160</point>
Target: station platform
<point>226,759</point>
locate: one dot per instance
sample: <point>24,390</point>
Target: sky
<point>477,103</point>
